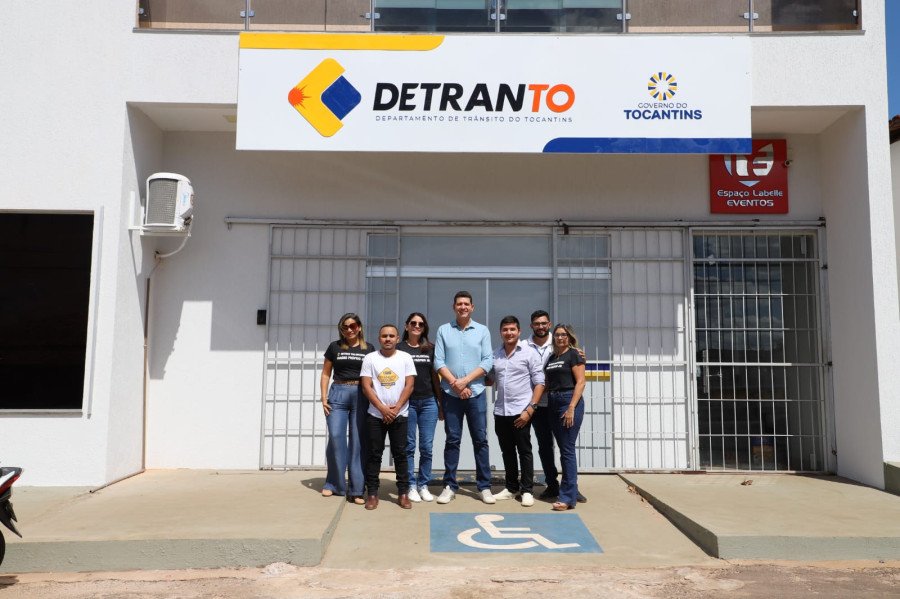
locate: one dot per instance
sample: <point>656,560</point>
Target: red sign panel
<point>750,184</point>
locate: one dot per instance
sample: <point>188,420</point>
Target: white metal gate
<point>626,291</point>
<point>316,274</point>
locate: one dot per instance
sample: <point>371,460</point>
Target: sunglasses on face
<point>350,327</point>
<point>416,324</point>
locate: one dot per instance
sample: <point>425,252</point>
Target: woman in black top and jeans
<point>345,409</point>
<point>565,384</point>
<point>424,405</point>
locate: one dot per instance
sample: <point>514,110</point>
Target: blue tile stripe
<point>649,145</point>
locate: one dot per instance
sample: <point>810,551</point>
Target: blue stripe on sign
<point>649,145</point>
<point>511,533</point>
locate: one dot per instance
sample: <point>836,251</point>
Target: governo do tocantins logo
<point>324,97</point>
<point>662,86</point>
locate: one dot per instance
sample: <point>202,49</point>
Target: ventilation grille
<point>161,202</point>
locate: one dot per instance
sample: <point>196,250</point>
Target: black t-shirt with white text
<point>424,361</point>
<point>346,362</point>
<point>558,370</point>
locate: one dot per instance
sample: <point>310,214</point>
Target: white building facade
<point>715,341</point>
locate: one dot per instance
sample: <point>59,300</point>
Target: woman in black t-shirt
<point>424,405</point>
<point>565,383</point>
<point>345,409</point>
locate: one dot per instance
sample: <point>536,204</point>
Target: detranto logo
<point>324,97</point>
<point>662,86</point>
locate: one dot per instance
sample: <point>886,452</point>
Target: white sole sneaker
<point>414,495</point>
<point>446,495</point>
<point>488,497</point>
<point>504,495</point>
<point>527,500</point>
<point>425,494</point>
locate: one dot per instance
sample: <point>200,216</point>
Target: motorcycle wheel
<point>2,547</point>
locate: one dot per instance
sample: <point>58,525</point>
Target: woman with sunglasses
<point>564,373</point>
<point>345,410</point>
<point>424,405</point>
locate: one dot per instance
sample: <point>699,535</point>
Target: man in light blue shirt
<point>462,356</point>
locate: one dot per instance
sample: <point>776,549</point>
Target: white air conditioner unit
<point>169,204</point>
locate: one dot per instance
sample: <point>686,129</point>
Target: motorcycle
<point>8,476</point>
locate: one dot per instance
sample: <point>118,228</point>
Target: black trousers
<point>515,441</point>
<point>396,431</point>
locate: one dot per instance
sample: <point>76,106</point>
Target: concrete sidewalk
<point>193,518</point>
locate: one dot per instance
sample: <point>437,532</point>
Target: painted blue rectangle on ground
<point>511,533</point>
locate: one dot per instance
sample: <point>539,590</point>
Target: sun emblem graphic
<point>662,86</point>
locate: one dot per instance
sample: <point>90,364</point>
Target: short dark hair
<point>538,313</point>
<point>510,320</point>
<point>388,326</point>
<point>464,294</point>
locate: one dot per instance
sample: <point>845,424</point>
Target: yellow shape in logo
<point>306,97</point>
<point>388,378</point>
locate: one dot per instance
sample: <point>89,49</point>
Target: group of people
<point>401,389</point>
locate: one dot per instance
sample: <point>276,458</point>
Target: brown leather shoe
<point>404,502</point>
<point>372,502</point>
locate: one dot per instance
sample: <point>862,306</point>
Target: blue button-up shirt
<point>462,351</point>
<point>516,376</point>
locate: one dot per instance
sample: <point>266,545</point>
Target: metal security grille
<point>727,374</point>
<point>760,383</point>
<point>582,292</point>
<point>316,275</point>
<point>650,364</point>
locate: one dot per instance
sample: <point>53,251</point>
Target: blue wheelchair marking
<point>510,533</point>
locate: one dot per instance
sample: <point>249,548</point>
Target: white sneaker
<point>488,497</point>
<point>446,495</point>
<point>425,494</point>
<point>527,500</point>
<point>414,495</point>
<point>504,495</point>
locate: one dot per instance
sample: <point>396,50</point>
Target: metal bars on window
<point>317,274</point>
<point>760,372</point>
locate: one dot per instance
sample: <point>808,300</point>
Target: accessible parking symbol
<point>511,533</point>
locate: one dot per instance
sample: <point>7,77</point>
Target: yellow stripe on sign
<point>338,41</point>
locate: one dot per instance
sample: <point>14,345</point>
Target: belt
<point>353,382</point>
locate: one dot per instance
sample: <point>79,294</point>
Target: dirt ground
<point>282,581</point>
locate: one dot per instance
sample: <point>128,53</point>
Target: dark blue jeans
<point>474,410</point>
<point>566,439</point>
<point>543,431</point>
<point>344,423</point>
<point>423,416</point>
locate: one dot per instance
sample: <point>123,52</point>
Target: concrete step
<point>174,519</point>
<point>777,516</point>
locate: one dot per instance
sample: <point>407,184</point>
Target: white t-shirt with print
<point>388,376</point>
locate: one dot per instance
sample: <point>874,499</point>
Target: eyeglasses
<point>561,335</point>
<point>350,327</point>
<point>417,324</point>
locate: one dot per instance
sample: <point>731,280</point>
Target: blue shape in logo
<point>511,533</point>
<point>341,97</point>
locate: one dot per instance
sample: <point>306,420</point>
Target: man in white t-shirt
<point>387,378</point>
